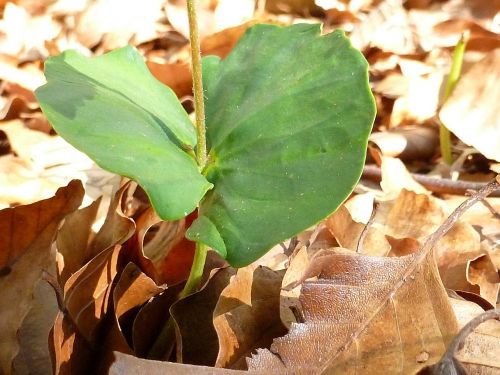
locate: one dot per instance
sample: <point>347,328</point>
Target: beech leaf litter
<point>402,279</point>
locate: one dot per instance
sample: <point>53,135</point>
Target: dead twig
<point>436,185</point>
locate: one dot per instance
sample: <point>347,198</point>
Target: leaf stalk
<point>456,68</point>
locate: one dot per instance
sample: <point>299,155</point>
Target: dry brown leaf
<point>395,177</point>
<point>377,313</point>
<point>117,227</point>
<point>34,357</point>
<point>126,364</point>
<point>150,320</point>
<point>27,233</point>
<point>478,351</point>
<point>115,23</point>
<point>407,142</point>
<point>177,76</point>
<point>387,27</point>
<point>197,341</point>
<point>71,354</point>
<point>132,290</point>
<point>471,111</point>
<point>87,293</point>
<point>221,43</point>
<point>73,241</point>
<point>483,273</point>
<point>24,35</point>
<point>301,7</point>
<point>247,315</point>
<point>167,255</point>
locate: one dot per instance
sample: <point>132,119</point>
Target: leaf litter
<point>115,281</point>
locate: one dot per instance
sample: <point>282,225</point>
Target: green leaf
<point>288,117</point>
<point>114,110</point>
<point>204,231</point>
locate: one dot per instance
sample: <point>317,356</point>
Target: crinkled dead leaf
<point>247,315</point>
<point>87,293</point>
<point>483,273</point>
<point>70,353</point>
<point>167,255</point>
<point>197,341</point>
<point>73,240</point>
<point>471,111</point>
<point>27,233</point>
<point>151,318</point>
<point>33,357</point>
<point>374,313</point>
<point>132,290</point>
<point>117,227</point>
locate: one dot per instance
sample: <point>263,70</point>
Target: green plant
<point>288,115</point>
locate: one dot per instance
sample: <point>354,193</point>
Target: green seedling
<point>288,114</point>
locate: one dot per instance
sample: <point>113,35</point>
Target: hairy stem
<point>456,67</point>
<point>199,108</point>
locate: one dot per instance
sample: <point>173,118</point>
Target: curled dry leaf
<point>247,315</point>
<point>87,292</point>
<point>197,341</point>
<point>132,290</point>
<point>471,111</point>
<point>27,233</point>
<point>117,227</point>
<point>70,352</point>
<point>483,273</point>
<point>73,241</point>
<point>167,255</point>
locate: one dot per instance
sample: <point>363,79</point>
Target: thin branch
<point>436,185</point>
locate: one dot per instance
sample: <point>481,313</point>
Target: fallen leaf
<point>117,227</point>
<point>132,290</point>
<point>396,177</point>
<point>392,310</point>
<point>132,23</point>
<point>167,255</point>
<point>73,241</point>
<point>247,316</point>
<point>24,35</point>
<point>87,293</point>
<point>177,76</point>
<point>27,233</point>
<point>126,364</point>
<point>197,341</point>
<point>150,320</point>
<point>33,356</point>
<point>483,273</point>
<point>71,354</point>
<point>470,112</point>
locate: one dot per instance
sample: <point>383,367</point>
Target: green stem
<point>165,342</point>
<point>199,108</point>
<point>193,281</point>
<point>456,67</point>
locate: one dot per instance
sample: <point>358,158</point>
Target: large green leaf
<point>115,111</point>
<point>288,117</point>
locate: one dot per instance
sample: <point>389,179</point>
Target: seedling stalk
<point>456,67</point>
